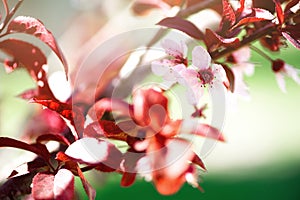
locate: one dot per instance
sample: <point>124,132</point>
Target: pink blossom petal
<point>280,81</point>
<point>160,68</point>
<point>292,72</point>
<point>219,72</point>
<point>248,68</point>
<point>240,89</point>
<point>242,55</point>
<point>200,58</point>
<point>174,49</point>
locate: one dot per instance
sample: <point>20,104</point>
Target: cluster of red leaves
<point>152,136</point>
<point>147,129</point>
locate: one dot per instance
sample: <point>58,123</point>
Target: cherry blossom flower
<point>241,66</point>
<point>202,74</point>
<point>281,70</point>
<point>169,68</point>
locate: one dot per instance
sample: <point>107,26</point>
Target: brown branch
<point>10,15</point>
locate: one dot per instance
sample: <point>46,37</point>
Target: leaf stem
<point>261,53</point>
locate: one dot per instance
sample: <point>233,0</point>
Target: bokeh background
<point>261,158</point>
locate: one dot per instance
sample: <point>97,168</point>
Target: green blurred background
<point>260,160</point>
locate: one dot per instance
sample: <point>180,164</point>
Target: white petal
<point>194,94</point>
<point>242,55</point>
<point>174,49</point>
<point>292,72</point>
<point>280,81</point>
<point>219,73</point>
<point>248,68</point>
<point>159,68</point>
<point>200,58</point>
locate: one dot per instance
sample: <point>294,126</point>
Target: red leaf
<point>290,5</point>
<point>230,77</point>
<point>42,186</point>
<point>241,8</point>
<point>49,186</point>
<point>31,57</point>
<point>104,128</point>
<point>150,108</point>
<point>16,187</point>
<point>38,149</point>
<point>63,187</point>
<point>206,130</point>
<point>257,16</point>
<point>108,105</point>
<point>52,137</point>
<point>128,179</point>
<point>294,41</point>
<point>279,12</point>
<point>182,25</point>
<point>36,28</point>
<point>213,41</point>
<point>197,160</point>
<point>228,17</point>
<point>71,113</point>
<point>94,151</point>
<point>90,191</point>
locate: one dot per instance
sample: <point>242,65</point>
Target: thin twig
<point>10,15</point>
<point>261,53</point>
<point>5,7</point>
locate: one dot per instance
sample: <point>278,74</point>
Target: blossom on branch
<point>281,70</point>
<point>202,74</point>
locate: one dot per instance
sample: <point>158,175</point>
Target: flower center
<point>277,65</point>
<point>206,76</point>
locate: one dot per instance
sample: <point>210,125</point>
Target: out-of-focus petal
<point>200,58</point>
<point>160,68</point>
<point>174,49</point>
<point>292,72</point>
<point>280,81</point>
<point>242,55</point>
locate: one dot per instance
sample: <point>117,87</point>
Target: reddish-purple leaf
<point>257,16</point>
<point>32,166</point>
<point>213,40</point>
<point>52,137</point>
<point>294,41</point>
<point>42,186</point>
<point>90,191</point>
<point>241,8</point>
<point>230,77</point>
<point>20,185</point>
<point>104,128</point>
<point>279,12</point>
<point>128,179</point>
<point>108,105</point>
<point>228,17</point>
<point>38,149</point>
<point>31,57</point>
<point>182,25</point>
<point>290,5</point>
<point>63,187</point>
<point>36,28</point>
<point>206,130</point>
<point>94,151</point>
<point>197,160</point>
<point>72,113</point>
